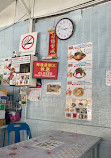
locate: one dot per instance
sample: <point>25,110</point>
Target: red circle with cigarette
<point>28,42</point>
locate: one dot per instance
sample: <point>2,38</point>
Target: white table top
<point>58,144</point>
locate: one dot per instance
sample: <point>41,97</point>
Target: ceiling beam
<point>25,6</point>
<point>31,20</point>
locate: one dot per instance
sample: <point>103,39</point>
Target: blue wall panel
<point>91,25</point>
<point>9,41</point>
<point>10,38</point>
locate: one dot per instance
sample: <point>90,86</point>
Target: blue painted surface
<point>10,38</point>
<point>9,41</point>
<point>91,25</point>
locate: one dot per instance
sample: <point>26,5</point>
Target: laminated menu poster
<point>5,66</point>
<point>6,80</point>
<point>78,108</point>
<point>79,82</point>
<point>34,93</point>
<point>22,79</point>
<point>12,78</point>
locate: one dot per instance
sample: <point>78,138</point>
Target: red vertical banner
<point>52,44</point>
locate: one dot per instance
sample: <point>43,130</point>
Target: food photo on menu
<point>79,73</point>
<point>22,79</point>
<point>79,55</point>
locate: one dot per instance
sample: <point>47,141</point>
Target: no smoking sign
<point>28,43</point>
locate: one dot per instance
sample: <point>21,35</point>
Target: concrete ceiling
<point>5,3</point>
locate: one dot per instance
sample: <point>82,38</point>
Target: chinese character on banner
<point>52,44</point>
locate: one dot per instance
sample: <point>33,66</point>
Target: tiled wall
<point>91,25</point>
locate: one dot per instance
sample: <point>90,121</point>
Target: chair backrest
<point>17,127</point>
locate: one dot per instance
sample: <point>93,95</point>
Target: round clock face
<point>64,28</point>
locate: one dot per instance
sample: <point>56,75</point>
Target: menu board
<point>79,82</point>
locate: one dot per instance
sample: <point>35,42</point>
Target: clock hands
<point>65,28</point>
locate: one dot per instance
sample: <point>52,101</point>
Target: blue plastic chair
<point>17,127</point>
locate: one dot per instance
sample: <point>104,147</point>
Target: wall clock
<point>64,28</point>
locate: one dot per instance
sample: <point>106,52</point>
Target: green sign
<point>2,107</point>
